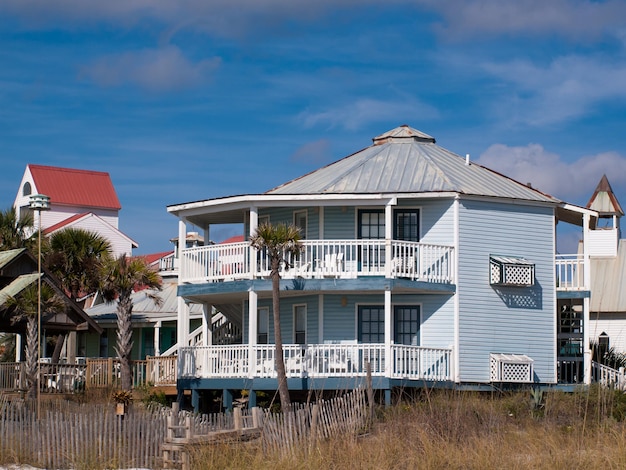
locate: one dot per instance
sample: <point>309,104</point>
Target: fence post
<point>370,391</point>
<point>257,417</point>
<point>238,419</point>
<point>621,380</point>
<point>110,371</point>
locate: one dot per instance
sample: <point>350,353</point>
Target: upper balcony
<point>323,259</point>
<point>570,273</point>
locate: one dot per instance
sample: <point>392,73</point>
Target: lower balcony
<point>317,360</point>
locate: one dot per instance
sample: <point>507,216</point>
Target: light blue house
<point>418,263</point>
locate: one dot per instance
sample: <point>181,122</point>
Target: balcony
<point>570,273</point>
<point>323,259</point>
<point>316,361</point>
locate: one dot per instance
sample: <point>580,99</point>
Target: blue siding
<point>505,320</point>
<point>285,215</point>
<point>339,223</point>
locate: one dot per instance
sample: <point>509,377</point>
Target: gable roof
<point>67,186</point>
<point>81,219</point>
<point>405,160</point>
<point>17,267</point>
<point>603,199</point>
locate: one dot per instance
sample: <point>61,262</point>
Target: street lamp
<point>39,202</point>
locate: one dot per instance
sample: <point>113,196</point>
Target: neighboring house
<point>608,271</point>
<point>430,268</point>
<point>18,270</point>
<point>155,325</point>
<point>78,198</point>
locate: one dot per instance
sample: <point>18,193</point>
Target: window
<point>263,325</point>
<point>300,221</point>
<point>407,227</point>
<point>407,325</point>
<point>371,327</point>
<point>26,190</point>
<point>299,324</point>
<point>371,224</point>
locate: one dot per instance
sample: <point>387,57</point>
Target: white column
<point>157,338</point>
<point>320,321</point>
<point>182,320</point>
<point>586,303</point>
<point>457,309</point>
<point>254,223</point>
<point>18,348</point>
<point>207,324</point>
<point>388,337</point>
<point>388,235</point>
<point>252,331</point>
<point>207,235</point>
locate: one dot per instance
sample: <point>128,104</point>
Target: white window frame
<point>295,323</point>
<point>260,323</point>
<point>303,231</point>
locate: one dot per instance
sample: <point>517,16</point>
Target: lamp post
<point>39,202</point>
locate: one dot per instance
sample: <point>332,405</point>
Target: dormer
<point>604,237</point>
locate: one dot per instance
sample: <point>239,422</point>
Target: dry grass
<point>463,430</point>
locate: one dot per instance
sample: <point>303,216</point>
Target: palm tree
<point>74,256</point>
<point>281,243</point>
<point>14,231</point>
<point>25,307</point>
<point>120,277</point>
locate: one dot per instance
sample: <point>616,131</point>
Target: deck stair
<point>180,437</point>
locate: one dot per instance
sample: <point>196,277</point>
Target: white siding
<point>613,324</point>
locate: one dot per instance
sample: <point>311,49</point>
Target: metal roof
<point>405,160</point>
<point>511,260</point>
<point>144,307</point>
<point>67,186</point>
<point>16,286</point>
<point>9,255</point>
<point>608,282</point>
<point>603,199</point>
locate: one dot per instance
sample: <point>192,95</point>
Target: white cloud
<point>365,111</point>
<point>570,181</point>
<point>154,69</point>
<point>576,19</point>
<point>567,88</point>
<point>316,152</point>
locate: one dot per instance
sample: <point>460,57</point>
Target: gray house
<point>429,268</point>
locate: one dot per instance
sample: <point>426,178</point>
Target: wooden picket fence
<point>68,435</point>
<point>343,416</point>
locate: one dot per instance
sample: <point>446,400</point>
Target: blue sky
<point>192,99</point>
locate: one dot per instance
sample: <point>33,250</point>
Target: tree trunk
<point>124,345</point>
<point>283,390</point>
<point>32,356</point>
<point>56,355</point>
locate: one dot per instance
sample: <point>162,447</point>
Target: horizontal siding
<point>339,223</point>
<point>339,320</point>
<point>613,324</point>
<point>505,320</point>
<point>285,215</point>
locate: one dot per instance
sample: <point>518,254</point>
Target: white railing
<point>315,360</point>
<point>162,370</point>
<point>570,272</point>
<point>322,259</point>
<point>608,376</point>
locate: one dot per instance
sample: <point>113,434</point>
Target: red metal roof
<point>67,186</point>
<point>64,222</point>
<point>233,239</point>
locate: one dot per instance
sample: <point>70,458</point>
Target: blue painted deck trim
<point>579,294</point>
<point>321,383</point>
<point>315,285</point>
